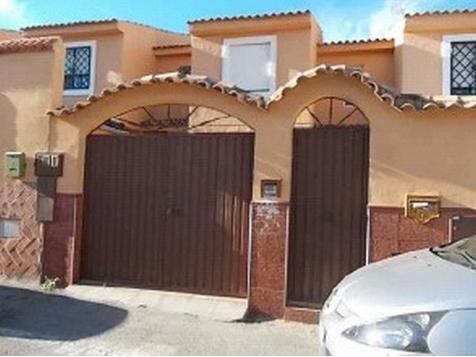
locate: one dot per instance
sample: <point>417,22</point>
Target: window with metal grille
<point>77,73</point>
<point>463,68</point>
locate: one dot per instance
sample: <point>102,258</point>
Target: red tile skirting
<point>60,258</point>
<point>392,233</point>
<point>268,255</point>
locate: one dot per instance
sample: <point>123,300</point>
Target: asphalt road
<point>36,323</point>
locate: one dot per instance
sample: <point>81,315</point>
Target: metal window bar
<point>77,73</point>
<point>463,68</point>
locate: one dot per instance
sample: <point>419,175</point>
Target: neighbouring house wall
<point>418,57</point>
<point>30,84</point>
<point>296,44</point>
<point>378,63</point>
<point>123,51</point>
<point>172,63</point>
<point>138,56</point>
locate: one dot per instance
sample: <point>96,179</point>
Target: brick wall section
<point>20,257</point>
<point>392,233</point>
<point>61,236</point>
<point>268,251</point>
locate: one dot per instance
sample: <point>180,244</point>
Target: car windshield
<point>462,252</point>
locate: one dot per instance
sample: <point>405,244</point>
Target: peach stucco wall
<point>109,61</point>
<point>378,63</point>
<point>418,57</point>
<point>296,44</point>
<point>123,51</point>
<point>171,63</point>
<point>30,84</point>
<point>139,58</point>
<point>410,152</point>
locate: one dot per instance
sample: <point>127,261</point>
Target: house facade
<point>245,158</point>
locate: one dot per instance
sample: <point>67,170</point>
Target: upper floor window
<point>250,63</point>
<point>459,65</point>
<point>79,68</point>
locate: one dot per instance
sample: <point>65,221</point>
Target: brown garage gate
<point>328,205</point>
<point>168,211</point>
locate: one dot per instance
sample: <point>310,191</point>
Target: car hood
<point>412,282</point>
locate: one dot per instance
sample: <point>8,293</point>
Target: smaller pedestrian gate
<point>328,203</point>
<point>168,211</point>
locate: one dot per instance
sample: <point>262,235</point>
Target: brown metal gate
<point>168,211</point>
<point>328,209</point>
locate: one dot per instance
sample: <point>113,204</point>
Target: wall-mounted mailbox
<point>271,189</point>
<point>15,164</point>
<point>422,208</point>
<point>49,164</point>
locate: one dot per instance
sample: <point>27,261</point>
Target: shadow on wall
<point>31,314</point>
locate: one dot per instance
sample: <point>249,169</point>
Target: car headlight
<point>403,333</point>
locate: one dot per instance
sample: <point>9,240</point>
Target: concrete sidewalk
<point>211,307</point>
<point>94,320</point>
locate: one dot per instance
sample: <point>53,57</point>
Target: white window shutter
<point>249,63</point>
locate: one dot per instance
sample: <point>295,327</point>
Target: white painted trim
<point>272,65</point>
<point>446,60</point>
<point>92,72</point>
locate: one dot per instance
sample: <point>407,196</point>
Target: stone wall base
<point>268,255</point>
<point>392,233</point>
<point>61,252</point>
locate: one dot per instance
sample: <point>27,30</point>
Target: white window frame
<point>272,67</point>
<point>446,61</point>
<point>92,72</point>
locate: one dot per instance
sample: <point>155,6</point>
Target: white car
<point>422,302</point>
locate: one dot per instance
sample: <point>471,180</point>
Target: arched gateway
<point>328,199</point>
<point>167,197</point>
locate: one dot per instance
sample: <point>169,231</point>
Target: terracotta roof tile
<point>174,77</point>
<point>441,12</point>
<point>398,101</point>
<point>27,44</point>
<point>251,17</point>
<point>97,22</point>
<point>70,24</point>
<point>357,42</point>
<point>162,47</point>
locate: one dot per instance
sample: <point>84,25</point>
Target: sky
<point>339,19</point>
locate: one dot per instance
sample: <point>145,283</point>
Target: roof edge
<point>441,12</point>
<point>250,16</point>
<point>171,46</point>
<point>70,24</point>
<point>356,45</point>
<point>357,42</point>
